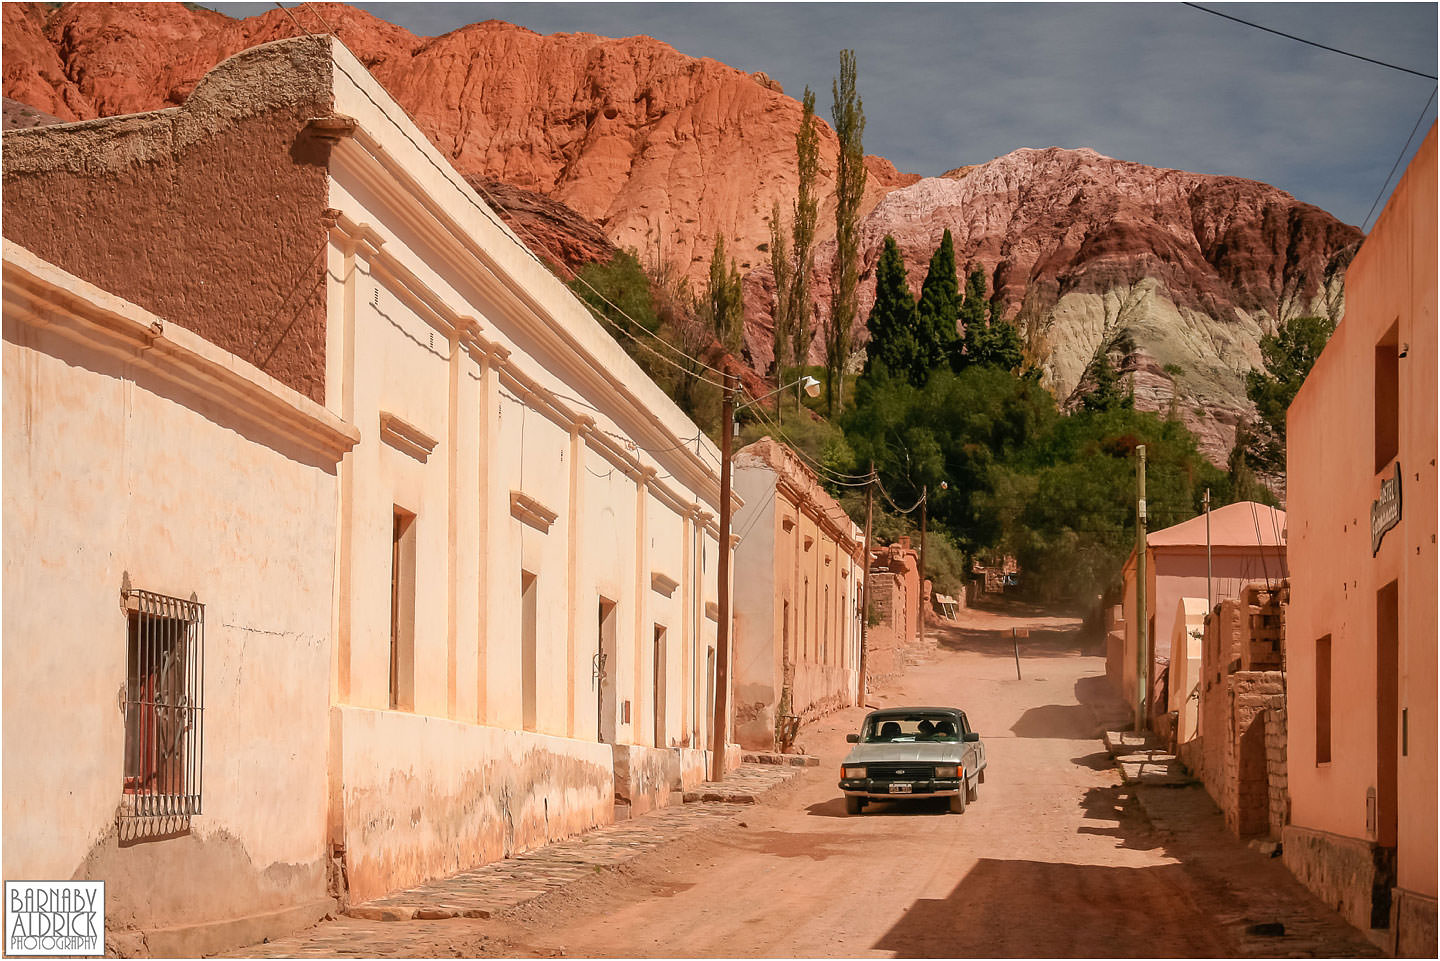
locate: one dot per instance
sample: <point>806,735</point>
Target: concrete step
<point>770,757</point>
<point>1129,742</point>
<point>1153,768</point>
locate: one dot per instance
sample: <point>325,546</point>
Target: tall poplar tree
<point>894,349</point>
<point>938,311</point>
<point>807,213</point>
<point>848,114</point>
<point>782,269</point>
<point>723,306</point>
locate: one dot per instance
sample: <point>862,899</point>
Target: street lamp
<point>811,386</point>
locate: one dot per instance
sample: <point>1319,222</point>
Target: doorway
<point>602,674</point>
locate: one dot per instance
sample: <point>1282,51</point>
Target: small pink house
<point>1247,544</point>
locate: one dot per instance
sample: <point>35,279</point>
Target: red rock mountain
<point>660,151</point>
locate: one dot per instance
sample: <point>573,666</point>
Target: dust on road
<point>1051,861</point>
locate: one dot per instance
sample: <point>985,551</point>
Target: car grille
<point>900,772</point>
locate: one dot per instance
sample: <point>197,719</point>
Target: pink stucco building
<point>1247,544</point>
<point>1361,653</point>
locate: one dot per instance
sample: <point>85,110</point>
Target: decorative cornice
<point>662,583</point>
<point>42,295</point>
<point>528,510</point>
<point>406,437</point>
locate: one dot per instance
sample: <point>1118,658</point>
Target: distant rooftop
<point>1244,524</point>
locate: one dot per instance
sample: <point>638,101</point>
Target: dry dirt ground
<point>1055,859</point>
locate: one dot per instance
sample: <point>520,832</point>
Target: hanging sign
<point>1385,510</point>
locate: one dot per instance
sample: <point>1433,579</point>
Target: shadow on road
<point>1064,721</point>
<point>1085,911</point>
<point>1042,642</point>
<point>835,808</point>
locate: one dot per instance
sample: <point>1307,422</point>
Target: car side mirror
<point>972,736</point>
<point>852,739</point>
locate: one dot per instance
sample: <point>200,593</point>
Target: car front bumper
<point>880,790</point>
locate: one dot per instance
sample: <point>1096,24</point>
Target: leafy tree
<point>619,291</point>
<point>848,113</point>
<point>723,306</point>
<point>956,428</point>
<point>1067,505</point>
<point>1287,355</point>
<point>893,349</point>
<point>802,232</point>
<point>938,311</point>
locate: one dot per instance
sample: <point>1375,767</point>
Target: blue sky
<point>947,84</point>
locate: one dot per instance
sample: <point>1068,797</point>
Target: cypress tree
<point>966,350</point>
<point>939,309</point>
<point>894,348</point>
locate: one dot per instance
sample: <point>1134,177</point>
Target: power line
<point>1418,120</point>
<point>1291,36</point>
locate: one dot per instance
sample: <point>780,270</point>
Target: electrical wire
<point>903,510</point>
<point>1396,165</point>
<point>1291,36</point>
<point>838,478</point>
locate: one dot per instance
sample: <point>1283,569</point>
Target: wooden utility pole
<point>924,508</point>
<point>865,589</point>
<point>1209,569</point>
<point>720,723</point>
<point>1142,658</point>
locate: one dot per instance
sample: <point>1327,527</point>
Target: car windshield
<point>910,727</point>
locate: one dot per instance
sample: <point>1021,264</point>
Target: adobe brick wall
<point>1240,754</point>
<point>885,640</point>
<point>208,215</point>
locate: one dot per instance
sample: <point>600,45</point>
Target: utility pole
<point>865,589</point>
<point>924,509</point>
<point>1209,569</point>
<point>1142,669</point>
<point>720,722</point>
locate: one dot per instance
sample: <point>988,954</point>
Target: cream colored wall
<point>774,566</point>
<point>466,794</point>
<point>1186,646</point>
<point>762,586</point>
<point>481,351</point>
<point>134,449</point>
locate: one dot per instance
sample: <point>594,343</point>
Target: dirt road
<point>1050,861</point>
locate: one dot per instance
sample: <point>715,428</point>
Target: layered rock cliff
<point>1177,275</point>
<point>660,152</point>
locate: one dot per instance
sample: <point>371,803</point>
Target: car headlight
<point>947,770</point>
<point>848,770</point>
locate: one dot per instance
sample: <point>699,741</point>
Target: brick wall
<point>1240,753</point>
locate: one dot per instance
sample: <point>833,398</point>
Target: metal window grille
<point>164,685</point>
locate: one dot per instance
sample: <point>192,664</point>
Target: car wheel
<point>957,802</point>
<point>972,790</point>
<point>853,804</point>
<point>982,775</point>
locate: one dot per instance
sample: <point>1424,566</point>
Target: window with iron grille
<point>164,684</point>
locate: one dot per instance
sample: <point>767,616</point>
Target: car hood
<point>938,751</point>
